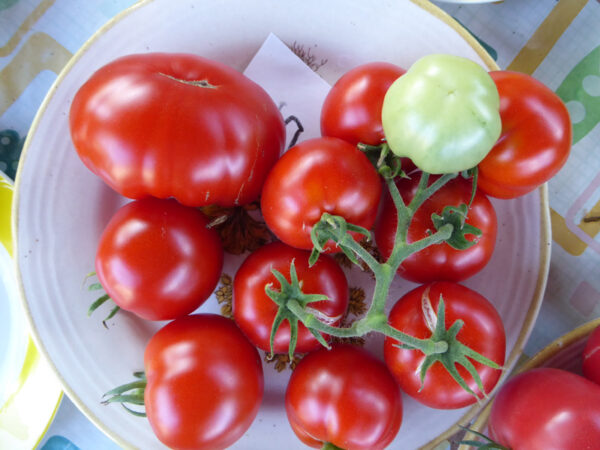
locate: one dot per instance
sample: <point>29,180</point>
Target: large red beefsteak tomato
<point>177,125</point>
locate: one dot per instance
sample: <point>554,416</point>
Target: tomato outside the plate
<point>345,397</point>
<point>483,332</point>
<point>177,125</point>
<point>158,259</point>
<point>546,408</point>
<point>254,311</point>
<point>591,357</point>
<point>204,383</point>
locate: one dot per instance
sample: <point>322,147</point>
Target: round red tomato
<point>546,408</point>
<point>157,259</point>
<point>352,109</point>
<point>482,331</point>
<point>254,311</point>
<point>535,141</point>
<point>591,357</point>
<point>439,262</point>
<point>317,176</point>
<point>204,383</point>
<point>177,125</point>
<point>345,397</point>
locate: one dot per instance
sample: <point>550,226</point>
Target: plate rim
<point>545,240</point>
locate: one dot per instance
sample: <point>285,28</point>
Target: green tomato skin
<point>443,114</point>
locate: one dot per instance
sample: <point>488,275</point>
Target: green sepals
<point>387,163</point>
<point>336,229</point>
<point>100,300</point>
<point>330,446</point>
<point>128,394</point>
<point>456,354</point>
<point>97,303</point>
<point>457,217</point>
<point>290,291</point>
<point>488,443</point>
<point>95,287</point>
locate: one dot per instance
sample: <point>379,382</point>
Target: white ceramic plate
<point>62,208</point>
<point>29,392</point>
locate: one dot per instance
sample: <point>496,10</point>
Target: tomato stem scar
<point>198,83</point>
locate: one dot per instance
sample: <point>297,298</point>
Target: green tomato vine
<point>451,227</point>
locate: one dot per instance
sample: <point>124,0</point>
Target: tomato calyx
<point>457,217</point>
<point>290,292</point>
<point>240,230</point>
<point>387,163</point>
<point>335,228</point>
<point>129,394</point>
<point>456,353</point>
<point>330,446</point>
<point>486,444</point>
<point>100,301</point>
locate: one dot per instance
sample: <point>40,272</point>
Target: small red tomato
<point>254,311</point>
<point>591,357</point>
<point>535,141</point>
<point>440,262</point>
<point>352,109</point>
<point>204,382</point>
<point>482,331</point>
<point>345,397</point>
<point>317,176</point>
<point>157,259</point>
<point>546,408</point>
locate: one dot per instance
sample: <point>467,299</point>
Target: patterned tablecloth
<point>556,41</point>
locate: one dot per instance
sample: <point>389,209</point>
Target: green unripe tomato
<point>443,114</point>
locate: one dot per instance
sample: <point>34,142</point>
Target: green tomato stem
<point>375,319</point>
<point>442,346</point>
<point>349,242</point>
<point>330,446</point>
<point>424,191</point>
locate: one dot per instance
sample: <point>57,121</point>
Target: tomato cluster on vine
<point>160,257</point>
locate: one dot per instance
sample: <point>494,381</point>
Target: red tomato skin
<point>482,331</point>
<point>205,382</point>
<point>157,259</point>
<point>315,176</point>
<point>144,130</point>
<point>591,357</point>
<point>546,408</point>
<point>352,109</point>
<point>254,311</point>
<point>535,141</point>
<point>439,262</point>
<point>344,396</point>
